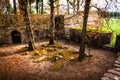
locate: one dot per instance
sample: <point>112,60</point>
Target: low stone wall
<point>40,26</point>
<point>94,39</point>
<point>6,36</point>
<point>117,46</point>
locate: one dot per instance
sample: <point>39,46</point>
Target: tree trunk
<point>24,13</point>
<point>82,45</point>
<point>37,6</point>
<point>30,7</point>
<point>52,26</point>
<point>42,6</point>
<point>73,6</point>
<point>57,7</point>
<point>78,1</point>
<point>68,7</point>
<point>15,9</point>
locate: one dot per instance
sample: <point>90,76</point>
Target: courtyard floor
<point>16,66</point>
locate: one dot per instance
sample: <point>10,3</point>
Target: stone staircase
<point>114,73</point>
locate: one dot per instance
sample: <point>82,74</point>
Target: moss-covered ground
<point>56,54</point>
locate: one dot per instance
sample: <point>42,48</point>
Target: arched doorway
<point>16,36</point>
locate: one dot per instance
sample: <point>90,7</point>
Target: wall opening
<point>16,37</point>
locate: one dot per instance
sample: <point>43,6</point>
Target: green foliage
<point>112,25</point>
<point>113,41</point>
<point>114,14</point>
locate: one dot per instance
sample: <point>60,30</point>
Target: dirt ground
<point>15,66</point>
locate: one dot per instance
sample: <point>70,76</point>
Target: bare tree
<point>15,8</point>
<point>24,13</point>
<point>37,1</point>
<point>57,6</point>
<point>82,44</point>
<point>30,4</point>
<point>52,22</point>
<point>42,6</point>
<point>78,1</point>
<point>74,1</point>
<point>68,7</point>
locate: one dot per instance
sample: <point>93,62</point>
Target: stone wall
<point>10,23</point>
<point>5,35</point>
<point>40,24</point>
<point>117,46</point>
<point>94,39</point>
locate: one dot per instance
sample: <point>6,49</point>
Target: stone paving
<point>114,73</point>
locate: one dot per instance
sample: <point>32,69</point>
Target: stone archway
<point>16,36</point>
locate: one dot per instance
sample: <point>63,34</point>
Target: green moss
<point>56,54</point>
<point>38,53</point>
<point>56,66</point>
<point>22,50</point>
<point>89,28</point>
<point>49,49</point>
<point>59,46</point>
<point>56,46</point>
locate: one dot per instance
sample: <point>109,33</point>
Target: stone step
<point>114,72</point>
<point>117,69</point>
<point>108,47</point>
<point>118,59</point>
<point>117,62</point>
<point>106,78</point>
<point>117,65</point>
<point>110,75</point>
